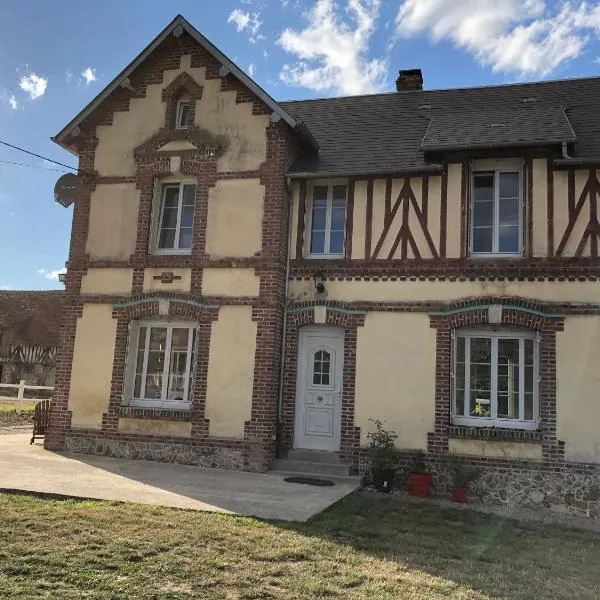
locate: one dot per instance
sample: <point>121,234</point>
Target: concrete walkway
<point>267,496</point>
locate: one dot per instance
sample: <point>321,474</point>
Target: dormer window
<point>184,111</point>
<point>496,209</point>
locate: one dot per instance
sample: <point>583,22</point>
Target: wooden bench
<point>41,419</point>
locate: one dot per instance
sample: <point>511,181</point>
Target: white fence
<point>22,388</point>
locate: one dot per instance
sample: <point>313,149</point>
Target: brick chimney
<point>409,81</point>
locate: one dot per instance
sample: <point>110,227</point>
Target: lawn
<point>9,416</point>
<point>368,546</point>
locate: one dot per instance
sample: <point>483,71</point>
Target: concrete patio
<point>266,496</point>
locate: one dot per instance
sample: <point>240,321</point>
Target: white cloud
<point>69,75</point>
<point>52,274</point>
<point>89,75</point>
<point>522,36</point>
<point>34,85</point>
<point>13,102</point>
<point>245,21</point>
<point>251,69</point>
<point>332,52</point>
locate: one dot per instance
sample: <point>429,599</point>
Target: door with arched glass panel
<point>318,401</point>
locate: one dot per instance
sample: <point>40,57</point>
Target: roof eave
<point>515,144</point>
<point>226,63</point>
<point>432,168</point>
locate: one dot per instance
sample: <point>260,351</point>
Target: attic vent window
<point>423,106</point>
<point>497,125</point>
<point>529,100</point>
<point>184,109</point>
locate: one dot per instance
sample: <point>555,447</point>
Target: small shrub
<point>418,464</point>
<point>381,447</point>
<point>462,473</point>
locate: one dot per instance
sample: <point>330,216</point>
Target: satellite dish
<point>64,189</point>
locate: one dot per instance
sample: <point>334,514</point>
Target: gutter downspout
<point>284,327</point>
<point>565,153</point>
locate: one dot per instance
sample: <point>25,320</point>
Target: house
<point>29,330</point>
<point>248,278</point>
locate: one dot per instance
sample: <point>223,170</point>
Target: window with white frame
<point>176,217</point>
<point>161,364</point>
<point>496,213</point>
<point>327,223</point>
<point>184,111</point>
<point>495,379</point>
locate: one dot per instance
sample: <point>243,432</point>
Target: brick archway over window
<point>349,321</point>
<point>496,312</point>
<point>169,307</point>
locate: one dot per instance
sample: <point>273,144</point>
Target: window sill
<point>155,413</point>
<point>324,256</point>
<point>186,252</point>
<point>492,256</point>
<point>495,433</point>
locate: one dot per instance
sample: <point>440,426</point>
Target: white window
<point>184,111</point>
<point>327,222</point>
<point>161,364</point>
<point>496,213</point>
<point>176,218</point>
<point>495,379</point>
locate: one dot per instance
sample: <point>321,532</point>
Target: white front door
<point>319,388</point>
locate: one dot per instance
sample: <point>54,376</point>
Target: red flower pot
<point>459,495</point>
<point>420,484</point>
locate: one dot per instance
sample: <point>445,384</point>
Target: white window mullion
<point>328,218</point>
<point>467,402</point>
<point>496,221</point>
<point>521,379</point>
<point>145,368</point>
<point>166,366</point>
<point>179,215</point>
<point>494,379</point>
<point>188,363</point>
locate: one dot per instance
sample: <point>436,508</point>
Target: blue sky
<point>56,56</point>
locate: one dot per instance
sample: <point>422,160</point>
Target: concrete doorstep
<point>266,496</point>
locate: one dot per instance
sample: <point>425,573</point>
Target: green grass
<point>368,546</point>
<point>9,416</point>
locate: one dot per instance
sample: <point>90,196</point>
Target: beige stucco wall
<point>495,449</point>
<point>295,201</point>
<point>178,285</point>
<point>230,282</point>
<point>231,371</point>
<point>92,365</point>
<point>578,387</point>
<point>155,427</point>
<point>540,207</point>
<point>216,112</point>
<point>453,219</point>
<point>414,291</point>
<point>235,212</point>
<point>107,281</point>
<point>395,376</point>
<point>113,221</point>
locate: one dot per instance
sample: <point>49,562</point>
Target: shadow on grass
<point>500,557</point>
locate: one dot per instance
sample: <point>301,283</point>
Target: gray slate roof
<point>390,132</point>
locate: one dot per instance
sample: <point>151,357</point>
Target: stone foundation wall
<point>563,488</point>
<point>218,455</point>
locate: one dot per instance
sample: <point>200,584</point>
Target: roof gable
<point>177,27</point>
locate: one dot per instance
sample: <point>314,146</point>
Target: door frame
<point>302,370</point>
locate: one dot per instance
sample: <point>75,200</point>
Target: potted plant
<point>383,456</point>
<point>462,476</point>
<point>420,479</point>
